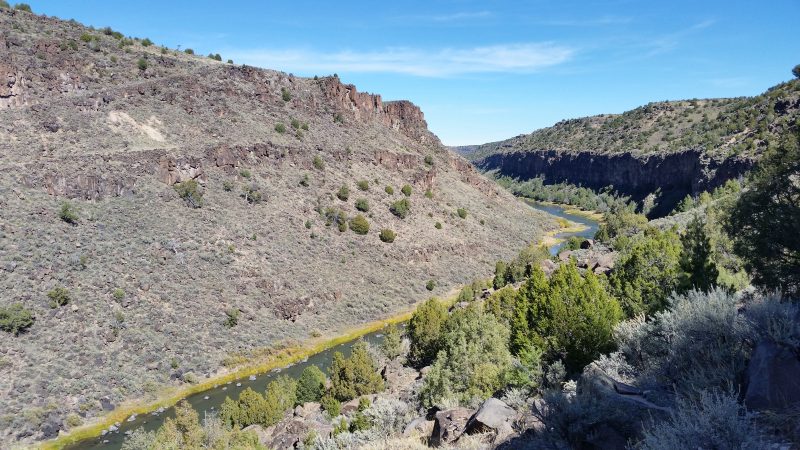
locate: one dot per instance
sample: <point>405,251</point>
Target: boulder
<point>565,255</point>
<point>548,266</point>
<point>287,433</point>
<point>587,244</point>
<point>418,427</point>
<point>493,416</point>
<point>449,425</point>
<point>773,377</point>
<point>307,409</point>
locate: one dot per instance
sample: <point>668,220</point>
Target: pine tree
<point>424,331</point>
<point>697,263</point>
<point>310,385</point>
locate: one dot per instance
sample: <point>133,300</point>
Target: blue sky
<point>484,71</point>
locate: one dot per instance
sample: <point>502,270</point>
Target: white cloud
<point>508,58</point>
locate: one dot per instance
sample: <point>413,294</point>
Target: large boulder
<point>449,425</point>
<point>419,427</point>
<point>773,377</point>
<point>493,416</point>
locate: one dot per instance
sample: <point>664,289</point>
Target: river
<point>209,401</point>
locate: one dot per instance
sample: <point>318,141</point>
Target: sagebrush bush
<point>696,344</point>
<point>462,213</point>
<point>400,208</point>
<point>406,190</point>
<point>389,190</point>
<point>362,205</point>
<point>68,213</point>
<point>359,224</point>
<point>58,296</point>
<point>318,163</point>
<point>142,64</point>
<point>774,317</point>
<point>387,235</point>
<point>363,185</point>
<point>285,94</point>
<point>280,128</point>
<point>712,420</point>
<point>190,192</point>
<point>344,193</point>
<point>15,319</point>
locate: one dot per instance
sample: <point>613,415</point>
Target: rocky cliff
<point>677,148</point>
<point>673,175</point>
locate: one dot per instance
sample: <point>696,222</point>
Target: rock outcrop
<point>675,175</point>
<point>449,425</point>
<point>773,377</point>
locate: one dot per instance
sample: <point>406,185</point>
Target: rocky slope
<point>679,148</point>
<point>112,124</point>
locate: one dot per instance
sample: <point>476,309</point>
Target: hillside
<point>161,292</point>
<point>679,147</point>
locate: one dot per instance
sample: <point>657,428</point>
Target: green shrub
<point>142,64</point>
<point>305,181</point>
<point>338,118</point>
<point>462,213</point>
<point>355,376</point>
<point>363,185</point>
<point>429,160</point>
<point>332,406</point>
<point>295,124</point>
<point>146,42</point>
<point>15,319</point>
<point>359,224</point>
<point>335,216</point>
<point>318,163</point>
<point>647,271</point>
<point>438,225</point>
<point>227,186</point>
<point>430,285</point>
<point>245,173</point>
<point>344,193</point>
<point>424,330</point>
<point>86,37</point>
<point>23,7</point>
<point>189,51</point>
<point>118,294</point>
<point>392,345</point>
<point>400,208</point>
<point>389,190</point>
<point>285,94</point>
<point>280,128</point>
<point>310,385</point>
<point>252,193</point>
<point>387,235</point>
<point>230,61</point>
<point>190,192</point>
<point>406,190</point>
<point>215,57</point>
<point>58,296</point>
<point>68,213</point>
<point>232,317</point>
<point>362,205</point>
<point>428,194</point>
<point>305,126</point>
<point>472,361</point>
<point>569,314</point>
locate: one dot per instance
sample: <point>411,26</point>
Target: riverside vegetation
<point>660,354</point>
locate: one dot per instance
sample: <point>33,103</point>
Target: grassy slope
<point>720,127</point>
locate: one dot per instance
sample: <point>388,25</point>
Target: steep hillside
<point>679,147</point>
<point>162,292</point>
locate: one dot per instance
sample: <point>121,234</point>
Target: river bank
<point>141,411</point>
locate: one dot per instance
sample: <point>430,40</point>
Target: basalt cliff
<point>670,149</point>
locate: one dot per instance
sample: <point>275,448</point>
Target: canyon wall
<point>675,175</point>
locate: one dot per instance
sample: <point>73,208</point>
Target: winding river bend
<point>210,400</point>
